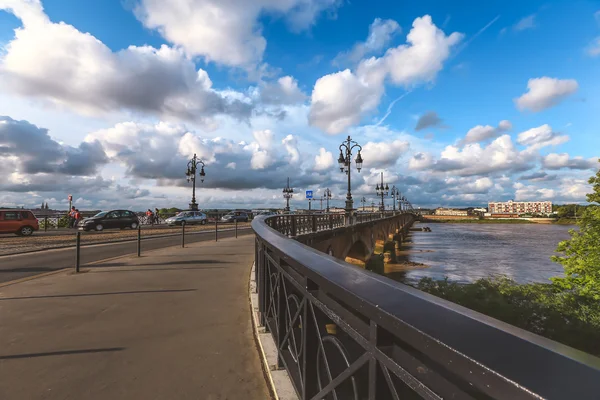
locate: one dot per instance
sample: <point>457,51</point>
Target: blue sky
<point>282,85</point>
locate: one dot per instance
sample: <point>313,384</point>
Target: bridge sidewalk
<point>173,324</point>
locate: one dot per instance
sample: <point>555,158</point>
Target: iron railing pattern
<point>344,333</point>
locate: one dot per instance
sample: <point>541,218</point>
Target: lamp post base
<point>194,206</point>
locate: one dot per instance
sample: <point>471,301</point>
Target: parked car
<point>110,220</point>
<point>19,222</point>
<point>268,213</point>
<point>233,216</point>
<point>188,218</point>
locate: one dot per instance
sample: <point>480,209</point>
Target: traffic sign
<point>70,197</point>
<point>309,194</point>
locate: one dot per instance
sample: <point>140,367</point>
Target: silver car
<point>188,218</point>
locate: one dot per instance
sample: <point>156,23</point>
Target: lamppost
<point>382,191</point>
<point>327,195</point>
<point>288,192</point>
<point>191,176</point>
<point>395,193</point>
<point>363,201</point>
<point>345,161</point>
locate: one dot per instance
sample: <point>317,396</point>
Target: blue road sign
<point>309,194</point>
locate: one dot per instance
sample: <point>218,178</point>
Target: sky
<point>457,103</point>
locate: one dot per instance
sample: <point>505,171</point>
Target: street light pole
<point>363,201</point>
<point>382,191</point>
<point>288,192</point>
<point>327,197</point>
<point>345,162</point>
<point>191,176</point>
<point>395,194</point>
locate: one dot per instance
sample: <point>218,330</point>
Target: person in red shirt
<point>77,217</point>
<point>149,217</point>
<point>72,220</point>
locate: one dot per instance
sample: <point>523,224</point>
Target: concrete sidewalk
<point>173,324</point>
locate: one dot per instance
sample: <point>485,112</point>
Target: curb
<point>29,278</point>
<point>70,246</point>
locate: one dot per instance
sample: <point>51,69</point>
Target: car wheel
<point>203,222</point>
<point>99,227</point>
<point>25,231</point>
<point>134,225</point>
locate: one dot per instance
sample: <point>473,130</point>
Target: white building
<point>520,207</point>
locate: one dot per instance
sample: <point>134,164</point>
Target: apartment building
<point>520,207</point>
<point>451,211</point>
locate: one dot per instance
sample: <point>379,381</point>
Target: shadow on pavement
<point>182,262</point>
<point>61,353</point>
<point>98,294</point>
<point>154,269</point>
<point>29,269</point>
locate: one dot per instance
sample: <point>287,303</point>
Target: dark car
<point>110,220</point>
<point>233,216</point>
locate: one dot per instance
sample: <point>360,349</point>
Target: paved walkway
<point>173,324</point>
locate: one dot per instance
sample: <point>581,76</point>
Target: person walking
<point>78,218</point>
<point>72,220</point>
<point>149,217</point>
<point>156,216</point>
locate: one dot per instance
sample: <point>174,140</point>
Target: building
<point>520,207</point>
<point>451,211</point>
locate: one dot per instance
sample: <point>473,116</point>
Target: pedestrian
<point>72,217</point>
<point>149,217</point>
<point>156,216</point>
<point>77,218</point>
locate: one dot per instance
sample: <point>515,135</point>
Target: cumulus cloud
<point>542,136</point>
<point>594,48</point>
<point>564,160</point>
<point>381,32</point>
<point>27,149</point>
<point>290,143</point>
<point>226,32</point>
<point>324,160</point>
<point>341,99</point>
<point>284,91</point>
<point>539,176</point>
<point>481,133</point>
<point>498,157</point>
<point>384,154</point>
<point>545,92</point>
<point>428,120</point>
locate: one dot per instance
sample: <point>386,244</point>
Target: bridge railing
<point>346,333</point>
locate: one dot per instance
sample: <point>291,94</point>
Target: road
<point>28,264</point>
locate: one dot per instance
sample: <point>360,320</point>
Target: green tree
<point>581,259</point>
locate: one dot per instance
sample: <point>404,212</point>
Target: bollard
<point>183,234</point>
<point>217,229</point>
<point>77,252</point>
<point>236,228</point>
<point>46,223</point>
<point>139,241</point>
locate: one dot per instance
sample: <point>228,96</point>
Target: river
<point>467,252</point>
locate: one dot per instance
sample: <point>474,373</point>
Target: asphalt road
<point>23,265</point>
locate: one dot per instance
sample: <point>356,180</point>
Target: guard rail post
<point>182,234</point>
<point>77,250</point>
<point>139,241</point>
<point>216,229</point>
<point>236,222</point>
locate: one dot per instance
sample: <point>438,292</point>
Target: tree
<point>581,259</point>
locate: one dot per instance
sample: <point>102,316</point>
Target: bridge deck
<point>173,324</point>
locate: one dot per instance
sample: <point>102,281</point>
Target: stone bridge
<point>358,241</point>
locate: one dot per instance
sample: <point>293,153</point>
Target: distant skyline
<point>458,104</point>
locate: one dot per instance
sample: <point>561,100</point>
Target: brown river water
<point>467,252</point>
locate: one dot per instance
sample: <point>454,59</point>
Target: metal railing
<point>344,333</point>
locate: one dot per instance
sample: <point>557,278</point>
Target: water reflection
<point>467,252</point>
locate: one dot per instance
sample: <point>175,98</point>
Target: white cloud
<point>525,23</point>
<point>231,165</point>
<point>542,136</point>
<point>381,32</point>
<point>290,143</point>
<point>226,32</point>
<point>383,154</point>
<point>340,100</point>
<point>481,133</point>
<point>324,160</point>
<point>261,159</point>
<point>564,160</point>
<point>421,161</point>
<point>545,92</point>
<point>594,48</point>
<point>264,138</point>
<point>284,91</point>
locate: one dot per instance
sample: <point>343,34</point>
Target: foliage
<point>543,309</point>
<point>581,253</point>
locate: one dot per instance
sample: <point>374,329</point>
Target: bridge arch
<point>359,251</point>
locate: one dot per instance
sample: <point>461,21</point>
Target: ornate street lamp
<point>363,201</point>
<point>327,196</point>
<point>382,191</point>
<point>345,161</point>
<point>192,167</point>
<point>288,192</point>
<point>395,193</point>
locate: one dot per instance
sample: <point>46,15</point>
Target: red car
<point>20,222</point>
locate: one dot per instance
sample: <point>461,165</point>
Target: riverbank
<point>476,221</point>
